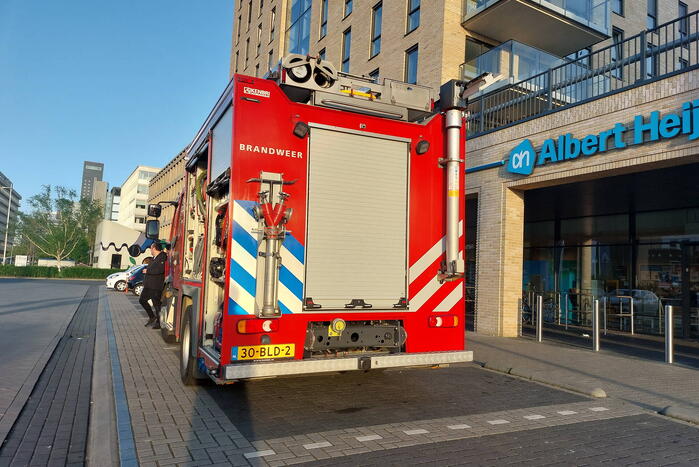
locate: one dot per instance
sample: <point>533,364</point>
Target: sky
<point>124,82</point>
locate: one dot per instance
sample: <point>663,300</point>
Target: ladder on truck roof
<point>314,81</point>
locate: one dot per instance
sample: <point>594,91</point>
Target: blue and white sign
<point>524,157</point>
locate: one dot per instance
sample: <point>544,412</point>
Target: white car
<point>117,281</point>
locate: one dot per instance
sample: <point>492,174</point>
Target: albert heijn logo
<point>522,158</point>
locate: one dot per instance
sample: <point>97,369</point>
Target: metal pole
<point>605,315</point>
<point>566,312</point>
<point>7,223</point>
<point>632,316</point>
<point>454,266</point>
<point>559,309</point>
<point>539,318</point>
<point>595,327</point>
<point>669,329</point>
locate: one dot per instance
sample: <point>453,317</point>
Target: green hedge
<point>46,271</point>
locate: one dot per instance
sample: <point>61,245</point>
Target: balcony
<point>512,61</point>
<point>669,49</point>
<point>556,26</point>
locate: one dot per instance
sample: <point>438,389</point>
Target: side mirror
<point>135,250</point>
<point>152,229</point>
<point>154,210</point>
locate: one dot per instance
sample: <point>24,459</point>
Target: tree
<point>59,224</point>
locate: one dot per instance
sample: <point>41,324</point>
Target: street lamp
<point>7,220</point>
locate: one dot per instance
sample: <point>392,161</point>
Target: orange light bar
<point>256,326</point>
<point>443,321</point>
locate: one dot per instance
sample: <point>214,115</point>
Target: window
<point>239,25</point>
<point>249,13</point>
<point>374,75</point>
<point>376,29</point>
<point>348,8</point>
<point>237,55</point>
<point>247,52</point>
<point>652,20</point>
<point>323,19</point>
<point>651,61</point>
<point>259,38</point>
<point>262,4</point>
<point>321,54</point>
<point>346,44</point>
<point>140,220</point>
<point>684,22</point>
<point>142,189</point>
<point>272,23</point>
<point>682,63</point>
<point>257,70</point>
<point>411,65</point>
<point>298,33</point>
<point>413,15</point>
<point>140,206</point>
<point>617,51</point>
<point>618,7</point>
<point>270,60</point>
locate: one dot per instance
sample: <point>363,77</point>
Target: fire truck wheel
<point>188,365</point>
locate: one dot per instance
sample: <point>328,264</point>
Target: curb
<point>102,441</point>
<point>597,393</point>
<point>684,413</point>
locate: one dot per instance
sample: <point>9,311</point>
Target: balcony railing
<point>591,13</point>
<point>669,49</point>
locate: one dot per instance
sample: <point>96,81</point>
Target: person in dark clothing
<point>153,283</point>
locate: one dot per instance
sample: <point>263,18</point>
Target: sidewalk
<point>649,384</point>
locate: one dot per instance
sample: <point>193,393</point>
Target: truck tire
<point>189,373</point>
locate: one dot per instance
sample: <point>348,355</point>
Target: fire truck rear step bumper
<point>301,367</point>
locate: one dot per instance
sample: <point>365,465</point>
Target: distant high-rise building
<point>91,171</point>
<point>134,197</point>
<point>9,199</point>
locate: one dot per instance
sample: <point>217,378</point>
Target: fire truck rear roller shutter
<point>357,219</point>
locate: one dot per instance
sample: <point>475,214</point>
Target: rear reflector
<point>253,326</point>
<point>444,321</point>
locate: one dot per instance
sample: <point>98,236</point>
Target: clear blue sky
<point>123,82</point>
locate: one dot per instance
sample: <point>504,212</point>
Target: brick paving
<point>638,439</point>
<point>650,384</point>
<point>52,427</point>
<point>295,420</point>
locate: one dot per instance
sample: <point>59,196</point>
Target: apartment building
<point>581,159</point>
<point>9,208</point>
<point>166,185</point>
<point>133,201</point>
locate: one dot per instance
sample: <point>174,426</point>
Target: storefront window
<point>668,226</point>
<point>597,229</point>
<point>539,234</point>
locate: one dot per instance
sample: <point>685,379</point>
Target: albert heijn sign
<point>523,158</point>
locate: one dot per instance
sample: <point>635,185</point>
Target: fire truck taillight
<point>255,326</point>
<point>446,321</point>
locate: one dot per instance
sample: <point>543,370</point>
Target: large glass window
<point>323,19</point>
<point>411,59</point>
<point>346,46</point>
<point>376,29</point>
<point>617,51</point>
<point>684,22</point>
<point>618,7</point>
<point>272,23</point>
<point>299,20</point>
<point>348,7</point>
<point>413,15</point>
<point>652,20</point>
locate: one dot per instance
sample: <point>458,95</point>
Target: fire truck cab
<point>321,228</point>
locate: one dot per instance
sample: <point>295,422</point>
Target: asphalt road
<point>33,312</point>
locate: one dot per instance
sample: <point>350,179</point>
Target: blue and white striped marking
<point>244,248</point>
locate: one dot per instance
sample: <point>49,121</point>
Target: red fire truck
<point>320,228</point>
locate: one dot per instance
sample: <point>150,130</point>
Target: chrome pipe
<point>455,266</point>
